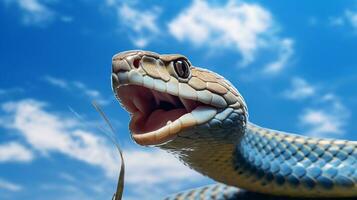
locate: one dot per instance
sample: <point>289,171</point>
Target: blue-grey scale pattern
<point>224,192</point>
<point>283,159</point>
<point>210,192</point>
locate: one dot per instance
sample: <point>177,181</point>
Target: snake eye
<point>182,68</point>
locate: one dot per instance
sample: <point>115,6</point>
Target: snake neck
<point>208,146</point>
<point>211,155</point>
<point>272,162</point>
<point>207,152</point>
<point>210,152</point>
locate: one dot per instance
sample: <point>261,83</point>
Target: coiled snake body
<point>202,118</point>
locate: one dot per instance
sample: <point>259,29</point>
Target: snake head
<point>166,96</point>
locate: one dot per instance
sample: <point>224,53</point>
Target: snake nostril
<point>136,63</point>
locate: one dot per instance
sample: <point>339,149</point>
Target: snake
<point>201,118</point>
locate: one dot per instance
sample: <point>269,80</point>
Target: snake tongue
<point>159,118</point>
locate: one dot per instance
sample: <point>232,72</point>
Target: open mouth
<point>151,109</point>
<point>157,117</point>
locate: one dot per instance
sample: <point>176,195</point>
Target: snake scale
<point>202,119</point>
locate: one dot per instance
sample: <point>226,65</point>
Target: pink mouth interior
<point>150,109</point>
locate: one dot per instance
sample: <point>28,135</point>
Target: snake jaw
<point>156,115</point>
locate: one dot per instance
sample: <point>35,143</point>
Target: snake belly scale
<point>201,118</point>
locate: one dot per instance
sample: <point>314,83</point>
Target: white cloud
<point>34,12</point>
<point>153,164</point>
<point>352,18</point>
<point>336,21</point>
<point>38,12</point>
<point>300,89</point>
<point>6,185</point>
<point>138,20</point>
<point>9,91</point>
<point>349,17</point>
<point>67,177</point>
<point>49,132</point>
<point>328,119</point>
<point>244,27</point>
<point>57,82</point>
<point>286,50</point>
<point>15,152</point>
<point>323,122</point>
<point>77,87</point>
<point>69,191</point>
<point>324,114</point>
<point>143,24</point>
<point>88,92</point>
<point>232,25</point>
<point>151,173</point>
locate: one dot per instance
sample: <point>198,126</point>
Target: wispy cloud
<point>37,12</point>
<point>57,82</point>
<point>286,51</point>
<point>321,122</point>
<point>77,86</point>
<point>67,177</point>
<point>70,191</point>
<point>89,92</point>
<point>15,152</point>
<point>7,185</point>
<point>326,121</point>
<point>156,162</point>
<point>34,12</point>
<point>244,27</point>
<point>8,91</point>
<point>336,21</point>
<point>141,23</point>
<point>151,172</point>
<point>300,89</point>
<point>348,18</point>
<point>324,114</point>
<point>352,18</point>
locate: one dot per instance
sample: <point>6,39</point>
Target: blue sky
<point>293,61</point>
